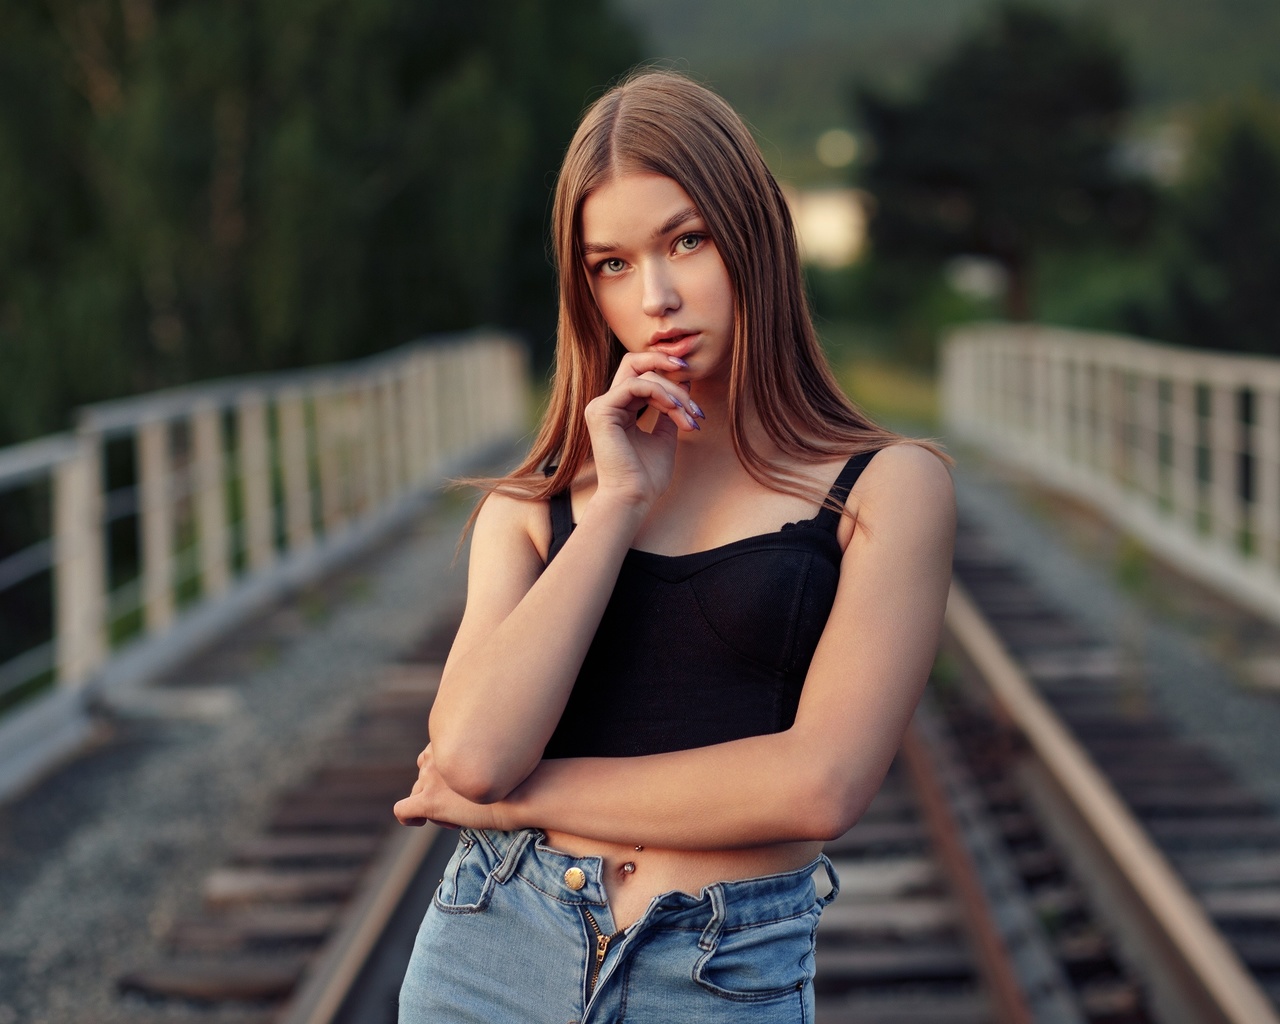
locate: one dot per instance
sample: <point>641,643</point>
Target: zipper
<point>602,948</point>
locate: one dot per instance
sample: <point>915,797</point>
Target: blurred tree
<point>1221,276</point>
<point>201,188</point>
<point>1007,149</point>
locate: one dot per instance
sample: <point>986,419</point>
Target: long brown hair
<point>664,123</point>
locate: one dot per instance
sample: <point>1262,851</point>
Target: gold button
<point>575,878</point>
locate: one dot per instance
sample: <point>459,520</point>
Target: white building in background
<point>832,224</point>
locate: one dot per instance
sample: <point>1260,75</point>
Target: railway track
<point>1045,848</point>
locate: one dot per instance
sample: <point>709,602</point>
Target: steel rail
<point>1009,1000</point>
<point>1209,972</point>
<point>333,971</point>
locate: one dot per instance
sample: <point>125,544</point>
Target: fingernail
<point>679,362</point>
<point>692,422</point>
<point>696,411</point>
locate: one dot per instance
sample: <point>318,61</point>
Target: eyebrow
<point>667,226</point>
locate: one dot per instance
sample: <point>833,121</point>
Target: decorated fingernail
<point>696,411</point>
<point>692,422</point>
<point>679,362</point>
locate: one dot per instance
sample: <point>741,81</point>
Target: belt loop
<point>711,933</point>
<point>507,868</point>
<point>830,869</point>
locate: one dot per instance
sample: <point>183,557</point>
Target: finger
<point>634,392</point>
<point>669,426</point>
<point>684,413</point>
<point>631,395</point>
<point>407,813</point>
<point>681,395</point>
<point>636,363</point>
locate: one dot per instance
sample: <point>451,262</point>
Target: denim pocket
<point>468,879</point>
<point>761,961</point>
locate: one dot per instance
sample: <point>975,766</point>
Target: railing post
<point>211,499</point>
<point>329,407</point>
<point>1081,454</point>
<point>389,450</point>
<point>155,515</point>
<point>1223,483</point>
<point>366,445</point>
<point>412,441</point>
<point>477,401</point>
<point>1057,447</point>
<point>255,481</point>
<point>295,469</point>
<point>517,375</point>
<point>1184,429</point>
<point>1266,462</point>
<point>1129,436</point>
<point>429,405</point>
<point>1148,434</point>
<point>80,564</point>
<point>1039,395</point>
<point>448,382</point>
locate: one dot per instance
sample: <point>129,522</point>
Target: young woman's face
<point>656,274</point>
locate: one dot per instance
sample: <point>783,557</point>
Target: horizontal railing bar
<point>124,600</point>
<point>1153,435</point>
<point>228,489</point>
<point>120,503</point>
<point>20,463</point>
<point>25,667</point>
<point>123,415</point>
<point>30,561</point>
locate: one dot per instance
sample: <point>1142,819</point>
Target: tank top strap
<point>561,517</point>
<point>828,518</point>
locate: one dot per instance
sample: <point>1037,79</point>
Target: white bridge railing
<point>1181,447</point>
<point>170,516</point>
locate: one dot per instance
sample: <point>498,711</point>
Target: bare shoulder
<point>906,491</point>
<point>507,524</point>
<point>908,470</point>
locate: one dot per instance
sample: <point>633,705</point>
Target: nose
<point>660,295</point>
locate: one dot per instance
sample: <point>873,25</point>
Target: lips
<point>674,343</point>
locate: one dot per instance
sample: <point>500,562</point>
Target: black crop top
<point>706,647</point>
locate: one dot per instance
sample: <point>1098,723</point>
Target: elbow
<point>835,805</point>
<point>472,774</point>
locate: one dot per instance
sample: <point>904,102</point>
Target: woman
<point>661,699</point>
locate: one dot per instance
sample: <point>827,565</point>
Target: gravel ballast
<point>102,855</point>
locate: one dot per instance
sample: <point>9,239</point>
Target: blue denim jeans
<point>513,935</point>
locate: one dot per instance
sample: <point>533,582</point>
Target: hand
<point>628,460</point>
<point>432,800</point>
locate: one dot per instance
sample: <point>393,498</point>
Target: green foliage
<point>1220,286</point>
<point>786,66</point>
<point>1006,151</point>
<point>896,308</point>
<point>200,188</point>
<point>1095,287</point>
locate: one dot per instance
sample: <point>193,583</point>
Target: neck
<point>710,450</point>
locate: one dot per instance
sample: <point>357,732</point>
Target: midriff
<point>662,870</point>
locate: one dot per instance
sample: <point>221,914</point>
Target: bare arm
<point>526,630</point>
<point>815,779</point>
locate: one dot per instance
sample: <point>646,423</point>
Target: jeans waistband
<point>727,905</point>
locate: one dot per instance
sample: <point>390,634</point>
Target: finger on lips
<point>636,363</point>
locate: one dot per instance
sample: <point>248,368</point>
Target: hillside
<point>788,65</point>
